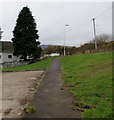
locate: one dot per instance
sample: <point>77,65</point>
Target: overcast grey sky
<point>52,17</point>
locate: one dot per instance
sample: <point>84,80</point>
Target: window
<point>9,56</point>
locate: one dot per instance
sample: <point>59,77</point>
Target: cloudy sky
<point>51,19</point>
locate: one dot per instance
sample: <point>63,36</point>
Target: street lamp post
<point>65,38</point>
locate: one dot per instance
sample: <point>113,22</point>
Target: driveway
<point>18,89</point>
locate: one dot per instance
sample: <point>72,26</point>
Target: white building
<point>6,52</point>
<point>52,55</point>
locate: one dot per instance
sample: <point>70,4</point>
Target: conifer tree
<point>25,36</point>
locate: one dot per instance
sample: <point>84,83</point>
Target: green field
<point>89,79</point>
<point>44,64</point>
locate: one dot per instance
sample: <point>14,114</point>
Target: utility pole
<point>65,38</point>
<point>94,33</point>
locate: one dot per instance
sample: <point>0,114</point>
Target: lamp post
<point>65,38</point>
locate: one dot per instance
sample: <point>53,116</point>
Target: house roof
<point>6,46</point>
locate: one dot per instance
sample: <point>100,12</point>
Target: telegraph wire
<point>104,12</point>
<point>95,17</point>
<point>87,21</point>
<point>77,26</point>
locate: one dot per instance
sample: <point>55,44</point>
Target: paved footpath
<point>50,101</point>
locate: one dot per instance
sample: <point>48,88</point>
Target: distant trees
<point>104,42</point>
<point>103,38</point>
<point>53,49</point>
<point>59,49</point>
<point>25,36</point>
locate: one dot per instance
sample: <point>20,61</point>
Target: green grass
<point>30,109</point>
<point>89,79</point>
<point>44,64</point>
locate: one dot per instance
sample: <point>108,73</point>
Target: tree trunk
<point>25,56</point>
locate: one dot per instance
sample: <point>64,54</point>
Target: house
<point>6,52</point>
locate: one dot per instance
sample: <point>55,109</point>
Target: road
<point>50,101</point>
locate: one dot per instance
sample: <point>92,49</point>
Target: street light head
<point>66,25</point>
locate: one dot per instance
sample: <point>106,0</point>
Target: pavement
<point>50,101</point>
<point>18,88</point>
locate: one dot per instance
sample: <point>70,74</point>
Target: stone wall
<point>13,64</point>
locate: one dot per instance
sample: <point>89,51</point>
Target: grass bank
<point>89,79</point>
<point>44,64</point>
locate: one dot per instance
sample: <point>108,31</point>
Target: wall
<point>4,57</point>
<point>13,64</point>
<point>5,61</point>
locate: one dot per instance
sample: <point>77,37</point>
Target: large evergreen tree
<point>25,36</point>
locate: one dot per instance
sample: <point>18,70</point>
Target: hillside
<point>89,78</point>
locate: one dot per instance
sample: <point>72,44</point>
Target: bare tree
<point>103,38</point>
<point>1,33</point>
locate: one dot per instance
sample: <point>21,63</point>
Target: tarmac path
<point>50,101</point>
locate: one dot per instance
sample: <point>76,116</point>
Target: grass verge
<point>44,64</point>
<point>89,79</point>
